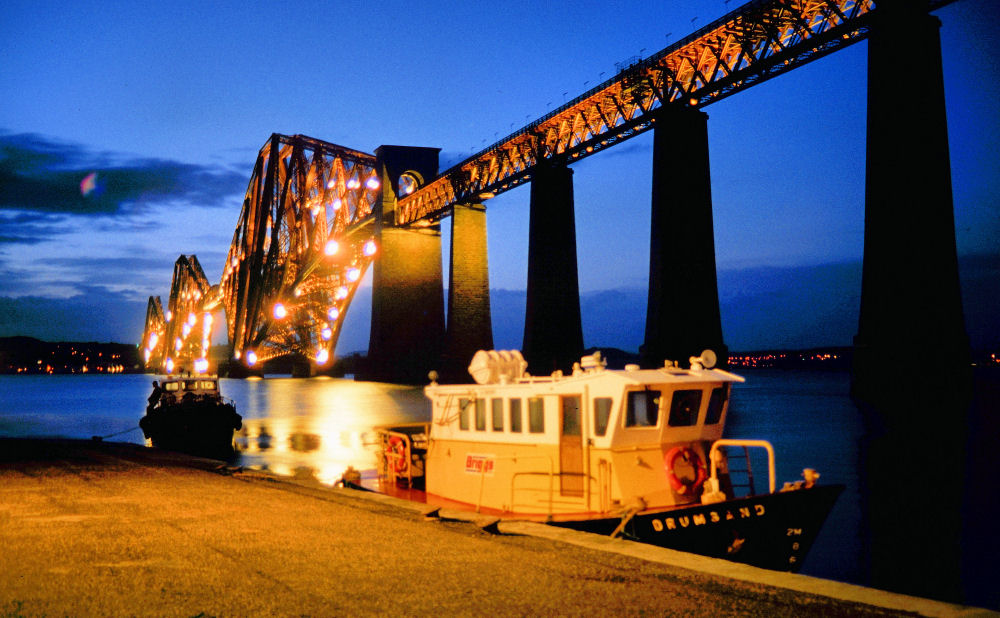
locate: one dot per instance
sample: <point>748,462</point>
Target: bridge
<point>316,215</point>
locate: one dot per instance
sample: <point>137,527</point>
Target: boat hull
<point>202,428</point>
<point>771,531</point>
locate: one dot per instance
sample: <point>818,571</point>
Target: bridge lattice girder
<point>751,44</point>
<point>154,334</point>
<point>182,334</point>
<point>303,194</point>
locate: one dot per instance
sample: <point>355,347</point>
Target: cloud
<point>41,175</point>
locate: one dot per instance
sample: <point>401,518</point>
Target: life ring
<point>685,486</point>
<point>396,454</point>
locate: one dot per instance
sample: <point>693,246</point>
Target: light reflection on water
<point>315,428</point>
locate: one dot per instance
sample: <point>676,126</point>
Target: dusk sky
<point>169,102</point>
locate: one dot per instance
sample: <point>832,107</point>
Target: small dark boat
<point>189,415</point>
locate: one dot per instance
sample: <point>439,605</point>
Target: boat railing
<point>551,474</point>
<point>413,439</point>
<point>715,457</point>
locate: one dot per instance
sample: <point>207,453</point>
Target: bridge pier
<point>911,304</point>
<point>682,313</point>
<point>469,326</point>
<point>407,327</point>
<point>553,331</point>
<point>912,376</point>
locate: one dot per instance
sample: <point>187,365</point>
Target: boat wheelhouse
<point>637,453</point>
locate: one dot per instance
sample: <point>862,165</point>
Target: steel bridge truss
<point>753,43</point>
<point>179,338</point>
<point>294,265</point>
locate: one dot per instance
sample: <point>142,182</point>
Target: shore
<point>101,528</point>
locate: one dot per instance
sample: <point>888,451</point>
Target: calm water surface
<point>314,428</point>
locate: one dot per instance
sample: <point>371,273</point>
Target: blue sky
<point>169,102</point>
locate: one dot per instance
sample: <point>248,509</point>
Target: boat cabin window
<point>602,414</point>
<point>536,415</point>
<point>643,409</point>
<point>496,412</point>
<point>515,415</point>
<point>715,404</point>
<point>171,386</point>
<point>684,408</point>
<point>480,415</point>
<point>463,413</point>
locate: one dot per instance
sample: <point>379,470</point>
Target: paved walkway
<point>89,528</point>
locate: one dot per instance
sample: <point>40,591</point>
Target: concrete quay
<point>109,529</point>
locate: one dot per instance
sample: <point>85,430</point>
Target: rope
<point>112,435</point>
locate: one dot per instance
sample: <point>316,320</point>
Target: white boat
<point>636,453</point>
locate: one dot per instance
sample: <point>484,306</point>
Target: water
<point>314,428</point>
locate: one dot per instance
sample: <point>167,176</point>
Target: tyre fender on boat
<point>396,454</point>
<point>683,485</point>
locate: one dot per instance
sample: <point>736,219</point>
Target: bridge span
<point>316,215</point>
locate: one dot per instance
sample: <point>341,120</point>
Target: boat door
<point>570,446</point>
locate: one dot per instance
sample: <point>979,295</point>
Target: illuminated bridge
<point>316,215</point>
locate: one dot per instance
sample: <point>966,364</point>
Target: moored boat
<point>633,453</point>
<point>189,415</point>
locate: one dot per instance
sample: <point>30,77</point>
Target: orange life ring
<point>685,486</point>
<point>396,453</point>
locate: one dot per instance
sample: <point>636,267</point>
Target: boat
<point>189,415</point>
<point>633,453</point>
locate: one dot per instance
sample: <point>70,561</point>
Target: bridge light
<point>186,330</point>
<point>353,274</point>
<point>341,293</point>
<point>147,354</point>
<point>201,365</point>
<point>370,248</point>
<point>178,344</point>
<point>192,319</point>
<point>169,316</point>
<point>322,356</point>
<point>279,311</point>
<point>372,183</point>
<point>331,183</point>
<point>692,101</point>
<point>333,313</point>
<point>251,358</point>
<point>154,338</point>
<point>326,333</point>
<point>234,262</point>
<point>331,247</point>
<point>337,203</point>
<point>353,183</point>
<point>169,365</point>
<point>237,355</point>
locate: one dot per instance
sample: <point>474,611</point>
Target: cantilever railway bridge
<point>316,215</point>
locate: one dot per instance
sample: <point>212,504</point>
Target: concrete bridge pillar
<point>469,325</point>
<point>911,307</point>
<point>553,332</point>
<point>407,328</point>
<point>682,314</point>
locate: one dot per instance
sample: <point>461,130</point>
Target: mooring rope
<point>112,435</point>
